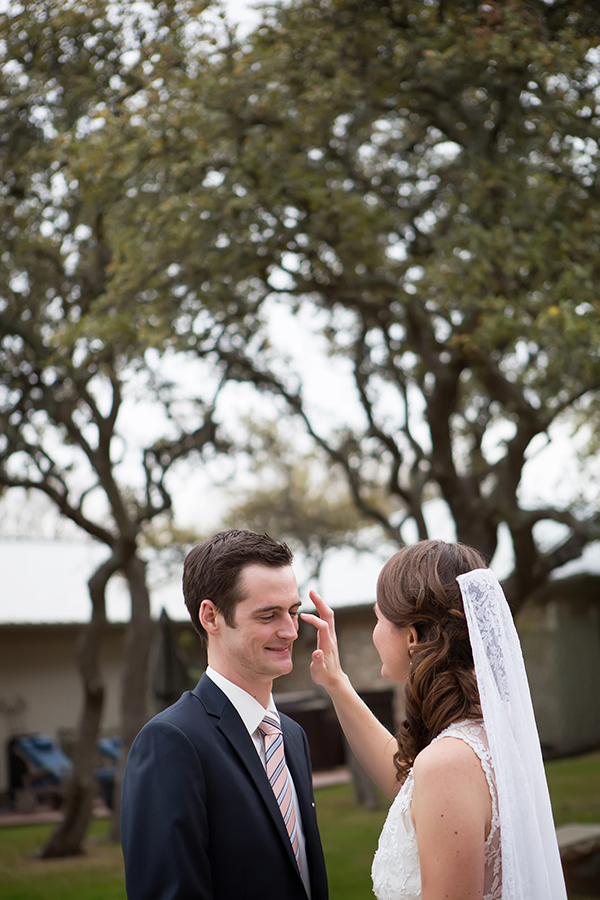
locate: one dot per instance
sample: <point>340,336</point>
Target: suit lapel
<point>233,729</point>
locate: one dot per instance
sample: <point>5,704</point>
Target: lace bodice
<point>396,872</point>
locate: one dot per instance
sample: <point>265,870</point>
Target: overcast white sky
<point>242,12</point>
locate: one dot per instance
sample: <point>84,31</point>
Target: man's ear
<point>209,617</point>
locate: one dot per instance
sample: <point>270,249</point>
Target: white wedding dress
<point>396,872</point>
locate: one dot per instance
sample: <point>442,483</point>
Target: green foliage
<point>72,77</point>
<point>297,498</point>
<point>421,174</point>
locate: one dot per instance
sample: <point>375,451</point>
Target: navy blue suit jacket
<point>199,820</point>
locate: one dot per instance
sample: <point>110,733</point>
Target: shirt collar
<point>249,709</point>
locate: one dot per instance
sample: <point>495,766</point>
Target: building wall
<point>561,645</point>
<point>354,626</point>
<point>39,682</point>
<point>38,665</point>
<point>359,658</point>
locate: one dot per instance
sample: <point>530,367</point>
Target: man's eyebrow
<point>276,606</point>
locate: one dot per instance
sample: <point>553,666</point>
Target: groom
<point>217,800</point>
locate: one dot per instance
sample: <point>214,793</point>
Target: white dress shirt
<point>251,712</point>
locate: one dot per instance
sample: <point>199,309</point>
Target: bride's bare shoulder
<point>448,776</point>
<point>447,757</point>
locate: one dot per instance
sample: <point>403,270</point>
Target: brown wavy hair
<point>418,587</point>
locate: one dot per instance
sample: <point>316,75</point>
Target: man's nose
<point>289,627</point>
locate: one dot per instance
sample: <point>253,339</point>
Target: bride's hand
<point>325,668</point>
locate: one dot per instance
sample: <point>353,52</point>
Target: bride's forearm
<point>370,741</point>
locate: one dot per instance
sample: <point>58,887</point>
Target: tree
<point>422,174</point>
<point>63,389</point>
<point>292,494</point>
<point>62,435</point>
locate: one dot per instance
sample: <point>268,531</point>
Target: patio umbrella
<point>169,676</point>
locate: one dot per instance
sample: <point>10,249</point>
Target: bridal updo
<point>418,587</point>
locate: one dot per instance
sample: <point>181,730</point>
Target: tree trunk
<point>366,793</point>
<point>67,838</point>
<point>134,698</point>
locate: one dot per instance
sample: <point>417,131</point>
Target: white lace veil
<point>531,867</point>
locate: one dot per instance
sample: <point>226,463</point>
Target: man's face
<point>258,647</point>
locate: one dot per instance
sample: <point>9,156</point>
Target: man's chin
<point>281,666</point>
<point>281,671</point>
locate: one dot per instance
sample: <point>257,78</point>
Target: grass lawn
<point>96,875</point>
<point>575,788</point>
<point>349,835</point>
<point>349,838</point>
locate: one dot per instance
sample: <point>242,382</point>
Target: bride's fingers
<point>325,639</point>
<point>319,623</point>
<point>325,664</point>
<point>324,611</point>
<point>318,666</point>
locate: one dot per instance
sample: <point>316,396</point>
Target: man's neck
<point>261,691</point>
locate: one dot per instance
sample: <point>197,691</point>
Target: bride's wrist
<point>340,685</point>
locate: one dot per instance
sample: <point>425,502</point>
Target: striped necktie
<point>279,776</point>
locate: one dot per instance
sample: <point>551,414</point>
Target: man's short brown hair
<point>212,570</point>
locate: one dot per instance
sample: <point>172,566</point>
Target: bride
<point>471,816</point>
